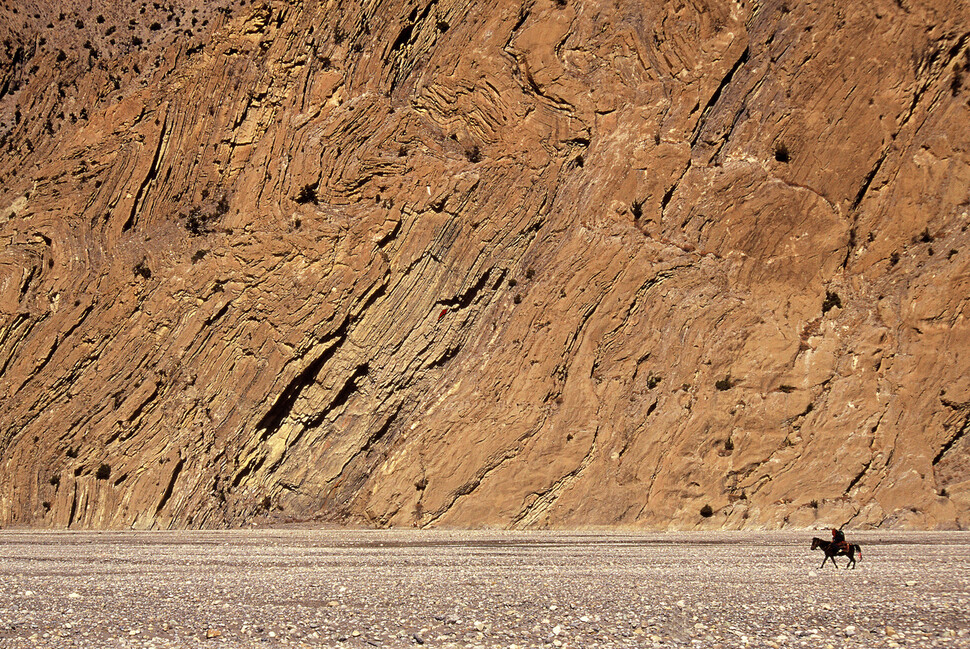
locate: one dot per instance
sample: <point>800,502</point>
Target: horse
<point>833,550</point>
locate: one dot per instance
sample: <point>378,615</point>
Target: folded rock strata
<point>549,263</point>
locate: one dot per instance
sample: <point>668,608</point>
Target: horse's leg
<point>824,559</point>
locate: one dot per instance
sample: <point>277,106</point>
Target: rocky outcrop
<point>523,264</point>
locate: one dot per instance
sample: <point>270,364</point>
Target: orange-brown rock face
<point>515,264</point>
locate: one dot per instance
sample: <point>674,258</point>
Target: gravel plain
<point>357,588</point>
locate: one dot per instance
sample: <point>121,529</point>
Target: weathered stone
<point>485,264</point>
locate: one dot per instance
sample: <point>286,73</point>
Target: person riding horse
<point>836,547</point>
<point>838,538</point>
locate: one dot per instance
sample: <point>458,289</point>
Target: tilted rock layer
<point>561,263</point>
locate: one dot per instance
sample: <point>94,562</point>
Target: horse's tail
<point>858,549</point>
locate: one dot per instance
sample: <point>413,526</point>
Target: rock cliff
<point>543,263</point>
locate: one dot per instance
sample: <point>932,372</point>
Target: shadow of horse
<point>833,550</point>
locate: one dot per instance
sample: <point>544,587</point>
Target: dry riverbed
<point>326,588</point>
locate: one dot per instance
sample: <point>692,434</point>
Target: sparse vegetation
<point>308,194</point>
<point>103,472</point>
<point>196,222</point>
<point>782,154</point>
<point>707,511</point>
<point>637,209</point>
<point>724,384</point>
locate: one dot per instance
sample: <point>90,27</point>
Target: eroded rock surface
<point>517,264</point>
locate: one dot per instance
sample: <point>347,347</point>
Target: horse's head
<point>816,543</point>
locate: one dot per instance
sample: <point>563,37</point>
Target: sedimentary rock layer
<point>516,264</point>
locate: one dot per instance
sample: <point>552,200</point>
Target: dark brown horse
<point>833,550</point>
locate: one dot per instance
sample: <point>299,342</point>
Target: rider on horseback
<point>838,538</point>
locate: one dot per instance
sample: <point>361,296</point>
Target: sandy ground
<point>328,588</point>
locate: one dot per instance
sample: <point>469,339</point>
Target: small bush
<point>637,209</point>
<point>195,222</point>
<point>724,384</point>
<point>781,153</point>
<point>55,480</point>
<point>706,511</point>
<point>308,194</point>
<point>103,472</point>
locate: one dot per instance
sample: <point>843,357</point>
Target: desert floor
<point>354,588</point>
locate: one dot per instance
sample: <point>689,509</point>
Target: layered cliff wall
<point>517,264</point>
